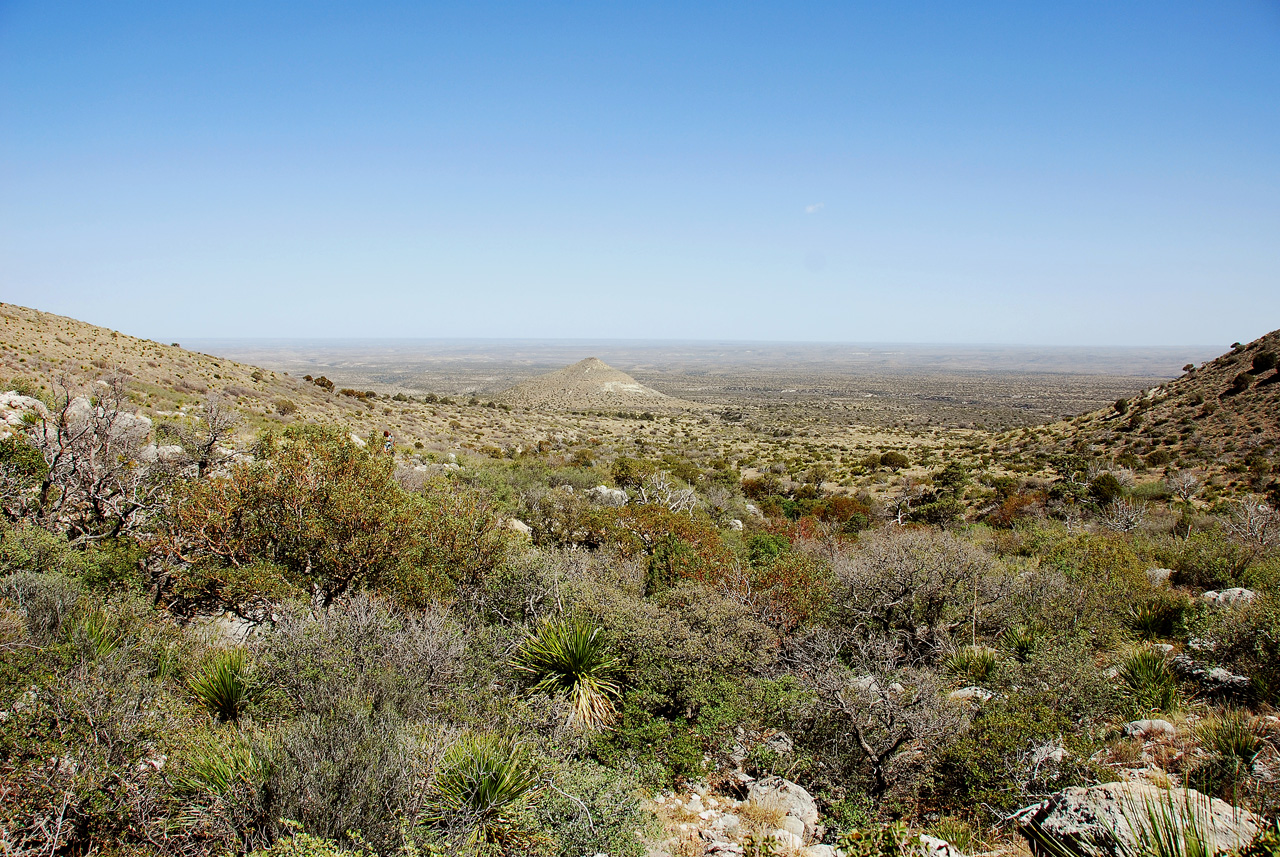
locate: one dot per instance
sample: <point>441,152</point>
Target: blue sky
<point>1058,173</point>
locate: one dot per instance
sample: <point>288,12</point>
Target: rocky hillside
<point>1223,416</point>
<point>589,384</point>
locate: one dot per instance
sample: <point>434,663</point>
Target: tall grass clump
<point>480,780</point>
<point>224,684</point>
<point>573,659</point>
<point>1149,683</point>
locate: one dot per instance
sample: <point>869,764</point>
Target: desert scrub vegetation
<point>319,646</point>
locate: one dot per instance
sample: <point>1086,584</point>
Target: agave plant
<point>1149,683</point>
<point>572,658</point>
<point>480,777</point>
<point>224,684</point>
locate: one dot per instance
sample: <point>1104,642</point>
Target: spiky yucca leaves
<point>480,778</point>
<point>97,635</point>
<point>1233,734</point>
<point>218,762</point>
<point>1149,683</point>
<point>972,663</point>
<point>1233,740</point>
<point>1020,641</point>
<point>224,684</point>
<point>572,658</point>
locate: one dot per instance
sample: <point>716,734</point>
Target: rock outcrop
<point>1112,819</point>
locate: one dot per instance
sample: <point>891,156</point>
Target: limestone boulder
<point>1108,820</point>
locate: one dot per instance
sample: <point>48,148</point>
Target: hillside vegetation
<point>230,629</point>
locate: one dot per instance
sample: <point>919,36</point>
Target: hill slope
<point>589,384</point>
<point>1223,416</point>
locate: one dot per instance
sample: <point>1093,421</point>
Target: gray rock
<point>1049,754</point>
<point>1230,597</point>
<point>787,840</point>
<point>820,851</point>
<point>788,796</point>
<point>1149,729</point>
<point>14,410</point>
<point>1214,680</point>
<point>970,694</point>
<point>606,496</point>
<point>780,743</point>
<point>1159,576</point>
<point>735,525</point>
<point>931,846</point>
<point>1106,820</point>
<point>518,526</point>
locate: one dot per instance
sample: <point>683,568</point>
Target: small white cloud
<point>815,208</point>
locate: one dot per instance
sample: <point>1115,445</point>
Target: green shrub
<point>28,548</point>
<point>893,839</point>
<point>1207,560</point>
<point>653,749</point>
<point>1245,640</point>
<point>590,809</point>
<point>47,602</point>
<point>572,658</point>
<point>350,772</point>
<point>364,649</point>
<point>989,771</point>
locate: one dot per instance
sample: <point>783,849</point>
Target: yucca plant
<point>480,778</point>
<point>1170,827</point>
<point>972,663</point>
<point>572,658</point>
<point>224,684</point>
<point>97,634</point>
<point>1233,734</point>
<point>1149,683</point>
<point>1020,641</point>
<point>1233,741</point>
<point>218,762</point>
